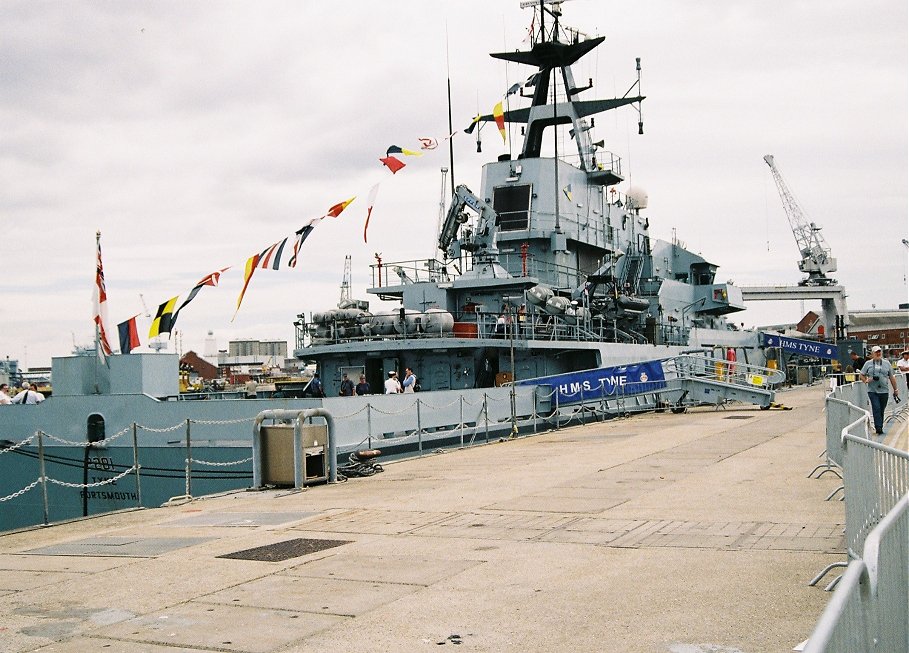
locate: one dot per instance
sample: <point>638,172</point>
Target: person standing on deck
<point>876,373</point>
<point>392,385</point>
<point>28,396</point>
<point>362,388</point>
<point>4,395</point>
<point>347,387</point>
<point>410,381</point>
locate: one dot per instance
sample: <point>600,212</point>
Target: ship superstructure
<point>549,265</point>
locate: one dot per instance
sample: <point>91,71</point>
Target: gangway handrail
<point>730,372</point>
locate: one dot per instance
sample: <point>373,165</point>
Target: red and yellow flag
<point>335,211</point>
<point>499,117</point>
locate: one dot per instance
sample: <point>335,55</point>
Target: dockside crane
<point>816,260</point>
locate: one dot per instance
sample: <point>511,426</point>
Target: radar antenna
<point>816,259</point>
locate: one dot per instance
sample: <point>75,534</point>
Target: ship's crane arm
<point>816,260</point>
<point>463,197</point>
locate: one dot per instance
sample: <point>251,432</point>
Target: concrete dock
<point>689,533</point>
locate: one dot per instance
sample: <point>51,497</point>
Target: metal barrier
<point>869,608</point>
<point>876,477</point>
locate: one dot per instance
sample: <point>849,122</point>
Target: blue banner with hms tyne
<point>603,382</point>
<point>799,346</point>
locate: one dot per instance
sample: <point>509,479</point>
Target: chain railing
<point>43,479</point>
<point>419,422</point>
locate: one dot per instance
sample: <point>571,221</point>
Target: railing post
<point>136,465</point>
<point>419,430</point>
<point>603,404</point>
<point>555,393</point>
<point>368,425</point>
<point>43,473</point>
<point>486,415</point>
<point>189,455</point>
<point>461,419</point>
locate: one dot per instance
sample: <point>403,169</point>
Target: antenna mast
<point>344,301</point>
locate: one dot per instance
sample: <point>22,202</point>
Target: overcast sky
<point>194,134</point>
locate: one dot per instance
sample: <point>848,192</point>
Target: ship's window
<point>512,204</point>
<point>95,428</point>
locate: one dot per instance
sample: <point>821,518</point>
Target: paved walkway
<point>661,533</point>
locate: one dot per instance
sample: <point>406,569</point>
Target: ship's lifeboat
<point>539,295</point>
<point>410,323</point>
<point>633,304</point>
<point>437,321</point>
<point>557,305</point>
<point>576,314</point>
<point>323,331</point>
<point>383,323</point>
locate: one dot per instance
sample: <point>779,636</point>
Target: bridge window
<point>512,204</point>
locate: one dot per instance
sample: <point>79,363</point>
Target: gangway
<point>675,383</point>
<point>702,380</point>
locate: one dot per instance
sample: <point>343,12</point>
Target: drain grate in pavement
<point>284,550</point>
<point>739,417</point>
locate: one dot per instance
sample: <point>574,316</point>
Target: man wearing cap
<point>876,373</point>
<point>903,363</point>
<point>392,385</point>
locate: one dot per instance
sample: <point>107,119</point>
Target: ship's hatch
<point>94,428</point>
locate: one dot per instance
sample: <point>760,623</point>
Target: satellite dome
<point>637,197</point>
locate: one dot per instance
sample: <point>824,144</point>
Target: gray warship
<point>549,268</point>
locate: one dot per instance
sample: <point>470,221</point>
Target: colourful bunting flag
<point>129,335</point>
<point>208,280</point>
<point>499,117</point>
<point>335,211</point>
<point>251,263</point>
<point>302,234</point>
<point>394,149</point>
<point>370,201</point>
<point>428,143</point>
<point>100,306</point>
<point>392,163</point>
<point>514,89</point>
<point>567,191</point>
<point>271,257</point>
<point>163,322</point>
